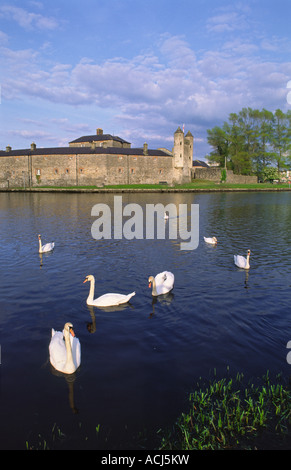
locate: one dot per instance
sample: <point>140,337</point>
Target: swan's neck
<point>248,260</point>
<point>69,367</point>
<point>39,244</point>
<point>91,291</point>
<point>154,287</point>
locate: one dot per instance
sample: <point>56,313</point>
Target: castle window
<point>56,171</point>
<point>161,172</point>
<point>81,170</point>
<point>67,171</point>
<point>132,170</point>
<point>38,172</point>
<point>120,170</point>
<point>120,158</point>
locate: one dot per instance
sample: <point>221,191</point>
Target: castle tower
<point>182,156</point>
<point>178,150</point>
<point>188,149</point>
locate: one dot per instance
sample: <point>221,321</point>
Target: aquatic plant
<point>224,414</point>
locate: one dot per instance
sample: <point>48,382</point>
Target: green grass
<point>225,414</point>
<point>194,185</point>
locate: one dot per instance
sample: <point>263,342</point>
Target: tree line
<point>252,142</point>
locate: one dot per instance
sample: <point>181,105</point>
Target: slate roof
<point>98,138</point>
<point>82,151</point>
<point>200,163</point>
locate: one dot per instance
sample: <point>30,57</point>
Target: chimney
<point>8,148</point>
<point>145,148</point>
<point>99,131</point>
<point>33,146</point>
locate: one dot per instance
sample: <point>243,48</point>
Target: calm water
<point>139,363</point>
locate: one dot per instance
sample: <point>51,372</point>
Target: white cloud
<point>28,20</point>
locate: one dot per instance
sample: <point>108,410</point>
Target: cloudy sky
<point>138,68</point>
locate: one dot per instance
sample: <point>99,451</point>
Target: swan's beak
<point>72,332</point>
<point>150,284</point>
<point>85,281</point>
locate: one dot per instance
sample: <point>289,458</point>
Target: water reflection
<point>70,380</point>
<point>218,316</point>
<point>163,299</point>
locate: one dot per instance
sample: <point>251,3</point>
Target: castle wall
<point>84,170</point>
<point>214,174</point>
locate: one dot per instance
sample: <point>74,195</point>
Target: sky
<point>138,69</point>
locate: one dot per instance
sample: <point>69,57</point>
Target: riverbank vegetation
<point>196,184</point>
<point>253,141</point>
<point>226,414</point>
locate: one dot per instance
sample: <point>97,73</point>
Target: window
<point>67,171</point>
<point>132,170</point>
<point>56,171</point>
<point>120,170</point>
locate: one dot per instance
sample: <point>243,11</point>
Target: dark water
<point>139,363</point>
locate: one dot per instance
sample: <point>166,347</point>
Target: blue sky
<point>138,69</point>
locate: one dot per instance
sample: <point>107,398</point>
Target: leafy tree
<point>252,140</point>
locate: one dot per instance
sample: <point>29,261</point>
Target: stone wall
<point>84,170</point>
<point>214,174</point>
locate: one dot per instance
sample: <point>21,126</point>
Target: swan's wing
<point>57,350</point>
<point>76,350</point>
<point>110,299</point>
<point>164,282</point>
<point>240,261</point>
<point>48,247</point>
<point>209,240</point>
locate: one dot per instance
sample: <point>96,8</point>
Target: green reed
<point>225,414</point>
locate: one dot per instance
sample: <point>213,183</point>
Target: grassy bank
<point>195,185</point>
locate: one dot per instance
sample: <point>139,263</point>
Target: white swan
<point>65,350</point>
<point>106,300</point>
<point>241,261</point>
<point>166,216</point>
<point>46,247</point>
<point>212,240</point>
<point>162,283</point>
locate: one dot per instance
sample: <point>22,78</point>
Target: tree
<point>252,140</point>
<point>219,140</point>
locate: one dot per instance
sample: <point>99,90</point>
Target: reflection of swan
<point>46,247</point>
<point>65,350</point>
<point>166,216</point>
<point>106,300</point>
<point>212,240</point>
<point>70,379</point>
<point>162,283</point>
<point>241,261</point>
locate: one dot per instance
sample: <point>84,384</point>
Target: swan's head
<point>39,237</point>
<point>249,252</point>
<point>89,278</point>
<point>69,328</point>
<point>150,280</point>
<point>215,239</point>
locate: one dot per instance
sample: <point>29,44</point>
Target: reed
<point>225,414</point>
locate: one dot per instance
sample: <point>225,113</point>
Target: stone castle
<point>97,160</point>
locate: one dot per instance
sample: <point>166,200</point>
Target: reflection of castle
<point>96,160</point>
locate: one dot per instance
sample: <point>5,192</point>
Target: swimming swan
<point>212,240</point>
<point>46,247</point>
<point>106,300</point>
<point>241,261</point>
<point>162,283</point>
<point>65,350</point>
